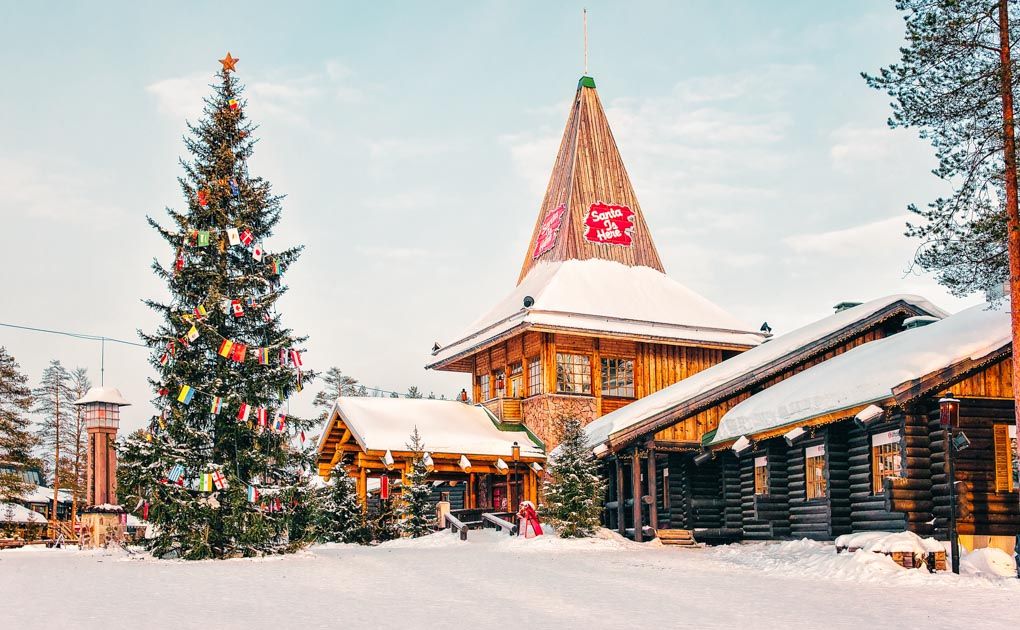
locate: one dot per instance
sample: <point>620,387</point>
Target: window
<point>1007,467</point>
<point>665,488</point>
<point>534,376</point>
<point>814,471</point>
<point>573,373</point>
<point>886,459</point>
<point>516,380</point>
<point>618,377</point>
<point>761,475</point>
<point>483,384</point>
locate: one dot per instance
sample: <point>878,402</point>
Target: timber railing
<point>456,525</point>
<point>496,520</point>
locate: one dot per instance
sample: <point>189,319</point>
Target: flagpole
<point>585,18</point>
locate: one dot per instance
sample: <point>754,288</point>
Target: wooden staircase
<point>677,537</point>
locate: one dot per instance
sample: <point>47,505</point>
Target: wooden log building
<point>855,443</point>
<point>480,461</point>
<point>652,444</point>
<point>594,322</point>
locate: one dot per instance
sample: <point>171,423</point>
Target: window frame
<point>584,376</point>
<point>893,449</point>
<point>762,481</point>
<point>484,386</point>
<point>534,384</point>
<point>816,487</point>
<point>613,365</point>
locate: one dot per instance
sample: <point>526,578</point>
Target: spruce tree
<point>17,440</point>
<point>385,524</point>
<point>415,511</point>
<point>339,514</point>
<point>574,490</point>
<point>225,363</point>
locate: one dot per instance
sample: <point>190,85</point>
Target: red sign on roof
<point>609,224</point>
<point>549,230</point>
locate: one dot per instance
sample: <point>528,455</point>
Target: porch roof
<point>872,372</point>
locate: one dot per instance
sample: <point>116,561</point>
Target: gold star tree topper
<point>229,63</point>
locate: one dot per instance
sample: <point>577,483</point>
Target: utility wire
<point>75,335</point>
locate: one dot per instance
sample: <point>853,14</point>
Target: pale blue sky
<point>413,142</point>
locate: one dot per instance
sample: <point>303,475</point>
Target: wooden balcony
<point>505,408</point>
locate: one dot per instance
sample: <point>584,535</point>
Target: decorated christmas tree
<point>339,514</point>
<point>219,471</point>
<point>415,511</point>
<point>574,489</point>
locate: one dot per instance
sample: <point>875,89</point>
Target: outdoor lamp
<point>960,441</point>
<point>949,411</point>
<point>704,457</point>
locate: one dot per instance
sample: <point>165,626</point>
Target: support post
<point>363,489</point>
<point>653,509</point>
<point>954,538</point>
<point>471,499</point>
<point>621,525</point>
<point>635,487</point>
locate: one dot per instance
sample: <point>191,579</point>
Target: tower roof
<point>590,209</point>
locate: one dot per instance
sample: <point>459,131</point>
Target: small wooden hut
<point>493,464</point>
<point>856,444</point>
<point>652,445</point>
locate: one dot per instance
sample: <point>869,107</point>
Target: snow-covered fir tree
<point>384,524</point>
<point>415,511</point>
<point>339,514</point>
<point>218,467</point>
<point>574,491</point>
<point>16,437</point>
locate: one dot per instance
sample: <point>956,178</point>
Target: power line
<point>75,335</point>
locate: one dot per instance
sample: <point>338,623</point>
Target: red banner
<point>384,487</point>
<point>549,230</point>
<point>609,224</point>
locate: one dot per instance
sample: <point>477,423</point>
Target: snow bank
<point>889,542</point>
<point>988,562</point>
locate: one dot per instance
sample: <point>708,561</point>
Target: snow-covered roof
<point>869,373</point>
<point>104,395</point>
<point>42,494</point>
<point>761,357</point>
<point>605,296</point>
<point>14,513</point>
<point>445,426</point>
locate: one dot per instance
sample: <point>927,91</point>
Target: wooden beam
<point>621,525</point>
<point>635,486</point>
<point>653,510</point>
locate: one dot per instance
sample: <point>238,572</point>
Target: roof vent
<point>842,306</point>
<point>918,321</point>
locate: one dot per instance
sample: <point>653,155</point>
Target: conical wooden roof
<point>590,209</point>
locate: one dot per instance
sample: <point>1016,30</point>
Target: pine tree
<point>336,384</point>
<point>77,438</point>
<point>221,345</point>
<point>16,438</point>
<point>413,392</point>
<point>947,85</point>
<point>385,524</point>
<point>415,511</point>
<point>53,397</point>
<point>340,517</point>
<point>574,490</point>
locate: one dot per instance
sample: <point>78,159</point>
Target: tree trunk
<point>1012,212</point>
<point>56,465</point>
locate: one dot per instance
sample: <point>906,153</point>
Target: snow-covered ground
<point>493,580</point>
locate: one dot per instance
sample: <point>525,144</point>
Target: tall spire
<point>590,209</point>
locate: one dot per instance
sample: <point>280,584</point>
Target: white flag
<point>233,237</point>
<point>257,253</point>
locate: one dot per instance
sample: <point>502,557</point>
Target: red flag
<point>246,237</point>
<point>238,352</point>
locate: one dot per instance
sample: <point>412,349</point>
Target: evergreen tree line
<point>336,384</point>
<point>57,443</point>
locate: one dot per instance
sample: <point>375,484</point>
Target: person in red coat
<point>527,519</point>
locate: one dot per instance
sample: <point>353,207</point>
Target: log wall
<point>821,518</point>
<point>765,517</point>
<point>867,509</point>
